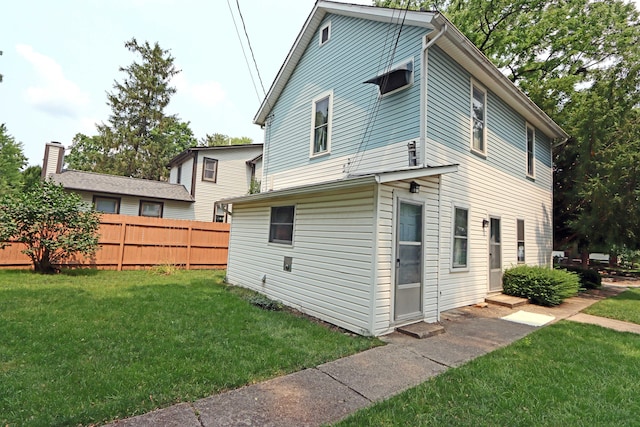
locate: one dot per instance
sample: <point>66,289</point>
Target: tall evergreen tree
<point>139,138</point>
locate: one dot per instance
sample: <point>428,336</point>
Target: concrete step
<point>506,300</point>
<point>421,330</point>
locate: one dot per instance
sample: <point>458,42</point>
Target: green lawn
<point>566,374</point>
<point>89,346</point>
<point>625,306</point>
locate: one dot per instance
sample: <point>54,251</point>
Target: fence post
<point>189,233</point>
<point>123,233</point>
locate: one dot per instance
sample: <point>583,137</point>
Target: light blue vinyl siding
<point>357,51</point>
<point>449,116</point>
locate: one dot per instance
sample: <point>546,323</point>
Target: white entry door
<point>408,283</point>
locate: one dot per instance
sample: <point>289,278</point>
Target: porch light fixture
<point>485,223</point>
<point>414,187</point>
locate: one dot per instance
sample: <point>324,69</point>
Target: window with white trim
<point>520,240</point>
<point>209,169</point>
<point>460,237</point>
<point>325,33</point>
<point>281,224</point>
<point>531,142</point>
<point>478,119</point>
<point>322,110</point>
<point>151,209</point>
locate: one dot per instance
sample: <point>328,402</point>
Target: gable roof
<point>180,158</point>
<point>452,41</point>
<point>121,185</point>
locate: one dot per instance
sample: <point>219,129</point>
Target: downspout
<point>423,93</point>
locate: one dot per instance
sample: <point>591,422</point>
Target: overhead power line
<point>244,53</point>
<point>250,48</point>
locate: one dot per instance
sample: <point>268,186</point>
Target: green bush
<point>542,286</point>
<point>589,279</point>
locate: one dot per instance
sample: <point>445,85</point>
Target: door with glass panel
<point>408,277</point>
<point>495,255</point>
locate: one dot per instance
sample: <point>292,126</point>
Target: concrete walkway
<point>332,391</point>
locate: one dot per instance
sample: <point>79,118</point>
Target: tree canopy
<point>12,160</point>
<point>139,138</point>
<point>218,139</point>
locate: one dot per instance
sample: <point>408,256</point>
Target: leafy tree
<point>31,177</point>
<point>52,224</point>
<point>12,159</point>
<point>218,139</point>
<point>139,139</point>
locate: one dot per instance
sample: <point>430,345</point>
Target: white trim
<point>454,206</point>
<point>533,151</point>
<point>328,27</point>
<point>314,101</point>
<point>476,85</point>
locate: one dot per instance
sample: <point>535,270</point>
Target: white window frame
<point>204,169</point>
<point>523,240</point>
<point>454,208</point>
<point>530,173</point>
<point>272,239</point>
<point>314,102</point>
<point>327,27</point>
<point>480,88</point>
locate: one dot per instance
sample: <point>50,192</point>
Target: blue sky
<point>61,57</point>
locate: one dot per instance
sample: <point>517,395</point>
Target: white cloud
<point>209,93</point>
<point>54,93</point>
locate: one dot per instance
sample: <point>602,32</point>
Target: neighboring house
<point>119,194</point>
<point>402,173</point>
<point>214,173</point>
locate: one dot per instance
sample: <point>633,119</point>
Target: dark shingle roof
<point>122,185</point>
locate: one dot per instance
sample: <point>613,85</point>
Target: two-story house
<point>213,173</point>
<point>402,173</point>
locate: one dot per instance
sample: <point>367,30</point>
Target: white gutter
<point>423,93</point>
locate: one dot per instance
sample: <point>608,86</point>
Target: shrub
<point>542,286</point>
<point>589,279</point>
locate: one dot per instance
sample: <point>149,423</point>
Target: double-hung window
<point>531,138</point>
<point>106,204</point>
<point>322,110</point>
<point>209,169</point>
<point>281,224</point>
<point>520,240</point>
<point>460,237</point>
<point>478,120</point>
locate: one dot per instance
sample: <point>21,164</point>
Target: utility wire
<point>244,53</point>
<point>374,112</point>
<point>250,48</point>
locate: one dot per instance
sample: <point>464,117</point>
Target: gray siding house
<point>402,173</point>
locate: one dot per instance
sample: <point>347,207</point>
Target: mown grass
<point>624,306</point>
<point>91,346</point>
<point>566,374</point>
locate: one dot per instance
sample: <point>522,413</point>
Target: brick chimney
<point>53,159</point>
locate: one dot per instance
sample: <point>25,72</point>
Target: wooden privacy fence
<point>133,242</point>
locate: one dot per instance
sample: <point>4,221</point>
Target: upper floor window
<point>479,120</point>
<point>210,169</point>
<point>179,175</point>
<point>151,209</point>
<point>460,237</point>
<point>281,224</point>
<point>325,33</point>
<point>106,204</point>
<point>531,138</point>
<point>322,110</point>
